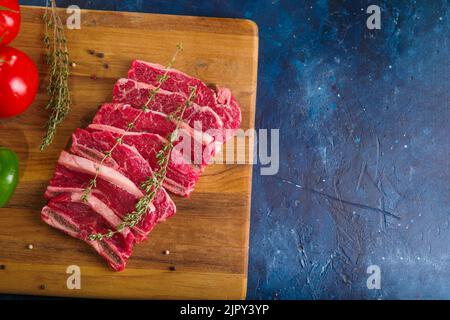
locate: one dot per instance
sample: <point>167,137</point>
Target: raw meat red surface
<point>75,178</point>
<point>220,99</point>
<point>135,93</point>
<point>212,119</point>
<point>69,214</point>
<point>181,175</point>
<point>125,159</point>
<point>202,146</point>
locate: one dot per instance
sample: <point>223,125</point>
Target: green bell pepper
<point>9,174</point>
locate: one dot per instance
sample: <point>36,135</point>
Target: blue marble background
<point>364,132</point>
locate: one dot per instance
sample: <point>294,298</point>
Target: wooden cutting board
<point>207,238</point>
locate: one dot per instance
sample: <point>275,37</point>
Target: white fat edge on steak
<point>80,164</point>
<point>92,154</point>
<point>61,221</point>
<point>198,136</point>
<point>169,184</point>
<point>174,185</point>
<point>50,216</point>
<point>169,200</point>
<point>104,127</point>
<point>142,85</point>
<point>162,68</point>
<point>99,207</point>
<point>201,137</point>
<point>222,95</point>
<point>56,191</point>
<point>83,165</point>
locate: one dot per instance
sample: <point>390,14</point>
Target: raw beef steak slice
<point>220,100</point>
<point>181,177</point>
<point>124,159</point>
<point>121,203</point>
<point>69,214</point>
<point>137,94</point>
<point>202,147</point>
<point>73,174</point>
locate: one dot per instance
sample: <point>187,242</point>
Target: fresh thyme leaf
<point>58,63</point>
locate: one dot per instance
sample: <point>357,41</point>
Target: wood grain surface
<point>207,238</point>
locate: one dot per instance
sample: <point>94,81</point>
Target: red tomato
<point>18,81</point>
<point>9,20</point>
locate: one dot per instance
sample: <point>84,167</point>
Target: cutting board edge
<point>53,288</point>
<point>251,25</point>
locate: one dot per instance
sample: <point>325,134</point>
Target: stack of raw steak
<point>210,121</point>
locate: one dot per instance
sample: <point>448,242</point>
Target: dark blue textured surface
<point>363,116</point>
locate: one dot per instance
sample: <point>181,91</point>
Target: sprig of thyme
<point>152,94</point>
<point>2,8</point>
<point>154,183</point>
<point>57,55</point>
